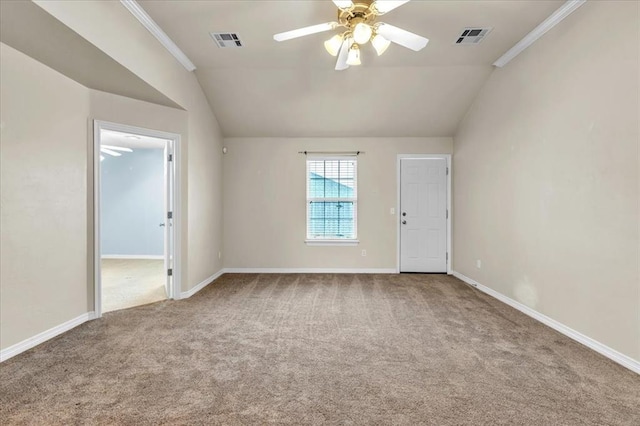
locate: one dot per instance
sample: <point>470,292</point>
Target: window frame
<point>332,241</point>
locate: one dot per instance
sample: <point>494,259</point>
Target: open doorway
<point>135,219</point>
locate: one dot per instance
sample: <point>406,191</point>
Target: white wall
<point>265,201</point>
<point>546,177</point>
<point>43,187</point>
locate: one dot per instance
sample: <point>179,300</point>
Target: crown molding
<point>554,19</point>
<point>139,13</point>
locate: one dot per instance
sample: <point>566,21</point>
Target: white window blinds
<point>332,198</point>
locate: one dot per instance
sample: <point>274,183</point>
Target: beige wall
<point>43,185</point>
<point>46,196</point>
<point>205,194</point>
<point>133,47</point>
<point>265,208</point>
<point>546,177</point>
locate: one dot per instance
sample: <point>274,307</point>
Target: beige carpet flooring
<point>131,282</point>
<point>318,349</point>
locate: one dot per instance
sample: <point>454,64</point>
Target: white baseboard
<point>31,342</point>
<point>203,284</point>
<point>602,349</point>
<point>133,256</point>
<point>309,271</point>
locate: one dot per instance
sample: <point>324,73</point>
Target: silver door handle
<point>404,222</point>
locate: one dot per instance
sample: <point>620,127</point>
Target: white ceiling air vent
<point>226,39</point>
<point>472,35</point>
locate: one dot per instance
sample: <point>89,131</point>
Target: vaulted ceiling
<point>28,28</point>
<point>291,89</point>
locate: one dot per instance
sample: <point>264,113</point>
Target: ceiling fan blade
<point>343,4</point>
<point>402,37</point>
<point>300,32</point>
<point>384,6</point>
<point>341,64</point>
<point>112,153</point>
<point>116,148</point>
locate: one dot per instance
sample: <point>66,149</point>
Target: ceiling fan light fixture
<point>354,55</point>
<point>380,43</point>
<point>362,33</point>
<point>333,44</point>
<point>359,22</point>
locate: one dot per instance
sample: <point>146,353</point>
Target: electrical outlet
<point>392,211</point>
<point>478,263</point>
<point>364,253</point>
<point>219,255</point>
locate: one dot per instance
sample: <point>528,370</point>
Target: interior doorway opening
<point>135,216</point>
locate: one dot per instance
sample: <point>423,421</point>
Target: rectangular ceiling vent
<point>472,35</point>
<point>226,39</point>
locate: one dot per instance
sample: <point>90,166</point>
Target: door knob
<point>404,213</point>
<point>404,222</point>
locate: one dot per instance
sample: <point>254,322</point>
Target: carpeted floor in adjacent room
<point>318,349</point>
<point>132,282</point>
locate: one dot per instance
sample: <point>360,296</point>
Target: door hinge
<point>170,272</point>
<point>447,214</point>
<point>169,215</point>
<point>447,170</point>
<point>447,256</point>
<point>170,157</point>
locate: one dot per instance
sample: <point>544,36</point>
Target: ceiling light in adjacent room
<point>116,148</point>
<point>110,152</point>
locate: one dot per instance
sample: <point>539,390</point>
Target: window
<point>332,199</point>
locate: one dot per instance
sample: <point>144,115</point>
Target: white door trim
<point>99,125</point>
<point>449,209</point>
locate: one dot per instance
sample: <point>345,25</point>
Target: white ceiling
<point>290,88</point>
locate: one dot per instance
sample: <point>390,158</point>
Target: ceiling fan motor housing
<point>360,12</point>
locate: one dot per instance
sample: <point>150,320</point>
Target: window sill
<point>320,242</point>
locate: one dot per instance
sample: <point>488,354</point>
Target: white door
<point>168,218</point>
<point>423,215</point>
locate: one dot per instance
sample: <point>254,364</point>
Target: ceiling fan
<point>358,17</point>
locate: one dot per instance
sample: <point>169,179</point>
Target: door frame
<point>175,284</point>
<point>449,206</point>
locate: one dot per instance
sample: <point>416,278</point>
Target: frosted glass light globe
<point>362,33</point>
